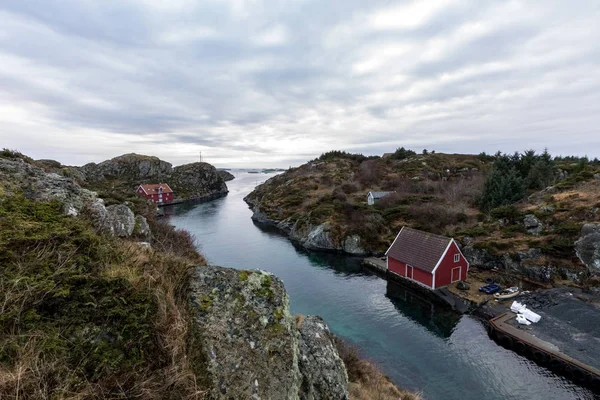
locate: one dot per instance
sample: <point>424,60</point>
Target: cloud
<point>257,82</point>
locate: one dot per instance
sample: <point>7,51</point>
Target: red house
<point>430,260</point>
<point>158,192</point>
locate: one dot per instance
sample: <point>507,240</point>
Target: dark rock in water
<point>251,342</point>
<point>462,285</point>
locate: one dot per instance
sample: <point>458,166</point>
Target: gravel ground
<point>570,320</point>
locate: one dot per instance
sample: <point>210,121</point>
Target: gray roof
<point>378,195</point>
<point>420,249</point>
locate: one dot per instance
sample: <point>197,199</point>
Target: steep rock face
<point>251,343</point>
<point>130,166</point>
<point>588,247</point>
<point>226,175</point>
<point>310,237</point>
<point>323,371</point>
<point>197,180</point>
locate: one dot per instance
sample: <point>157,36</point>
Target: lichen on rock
<point>251,342</point>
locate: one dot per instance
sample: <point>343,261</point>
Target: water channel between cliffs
<point>420,346</point>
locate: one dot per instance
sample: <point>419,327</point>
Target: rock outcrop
<point>131,166</point>
<point>18,176</point>
<point>196,180</point>
<point>323,373</point>
<point>587,247</point>
<point>252,345</point>
<point>226,175</point>
<point>317,238</point>
<point>532,224</point>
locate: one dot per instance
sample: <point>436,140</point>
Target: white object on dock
<point>530,315</point>
<point>516,307</point>
<point>522,320</point>
<point>519,308</point>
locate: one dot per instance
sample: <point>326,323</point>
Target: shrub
<point>509,212</point>
<point>14,154</point>
<point>401,153</point>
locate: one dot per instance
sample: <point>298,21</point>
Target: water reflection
<point>436,318</point>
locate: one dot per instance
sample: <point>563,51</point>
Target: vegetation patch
<point>83,313</point>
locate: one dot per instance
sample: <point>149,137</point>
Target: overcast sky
<point>275,83</point>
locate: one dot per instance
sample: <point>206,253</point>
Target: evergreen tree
<point>543,172</point>
<point>502,188</point>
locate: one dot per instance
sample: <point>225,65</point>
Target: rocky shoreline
<point>314,238</point>
<point>243,341</point>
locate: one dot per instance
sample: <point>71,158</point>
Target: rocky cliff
<point>254,347</point>
<point>126,172</point>
<point>226,175</point>
<point>110,316</point>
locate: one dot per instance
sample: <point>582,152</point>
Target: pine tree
<point>502,188</point>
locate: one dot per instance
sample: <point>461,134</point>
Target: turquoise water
<point>421,347</point>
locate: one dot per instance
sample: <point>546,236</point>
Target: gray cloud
<point>276,83</point>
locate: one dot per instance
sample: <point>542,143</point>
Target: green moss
<point>278,314</point>
<point>244,275</point>
<point>265,288</point>
<point>205,303</point>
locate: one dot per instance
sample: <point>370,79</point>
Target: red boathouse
<point>158,192</point>
<point>430,260</point>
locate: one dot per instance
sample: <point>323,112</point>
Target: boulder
<point>532,224</point>
<point>120,220</point>
<point>587,247</point>
<point>318,238</point>
<point>141,228</point>
<point>323,372</point>
<point>481,258</point>
<point>252,346</point>
<point>351,245</point>
<point>462,285</point>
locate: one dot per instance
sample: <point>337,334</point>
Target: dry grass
<point>367,382</point>
<point>128,329</point>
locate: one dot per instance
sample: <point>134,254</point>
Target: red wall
<point>443,275</point>
<point>167,197</point>
<point>399,268</point>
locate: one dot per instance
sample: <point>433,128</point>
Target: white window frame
<point>412,269</point>
<point>457,257</point>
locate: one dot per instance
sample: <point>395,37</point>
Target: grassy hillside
<point>433,192</point>
<point>440,193</point>
<point>85,315</point>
